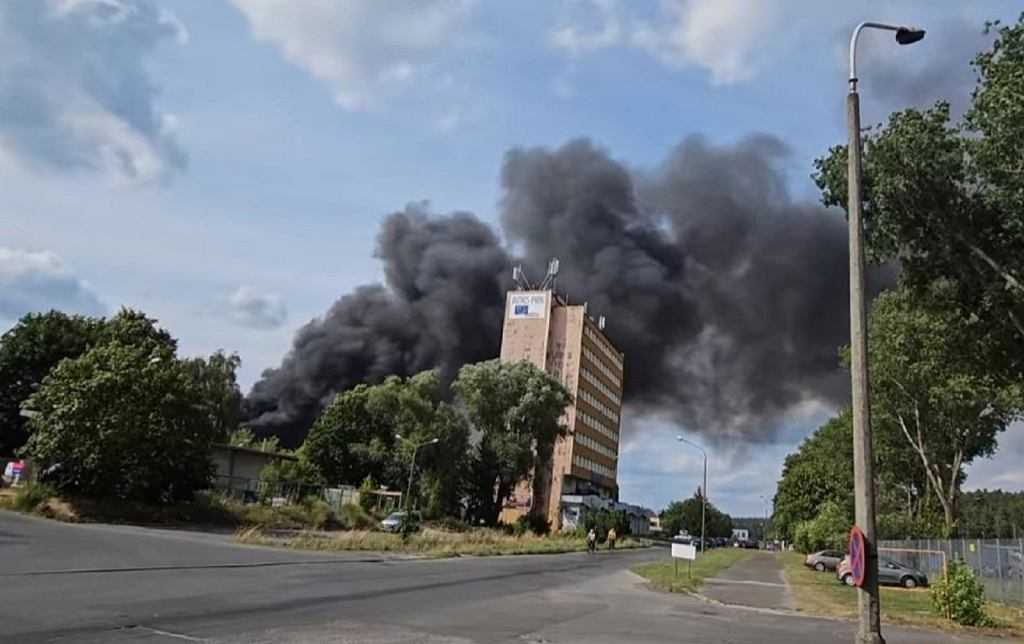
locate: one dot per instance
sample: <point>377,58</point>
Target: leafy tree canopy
<point>114,422</point>
<point>946,200</point>
<point>516,409</point>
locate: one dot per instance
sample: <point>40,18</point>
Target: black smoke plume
<point>728,298</point>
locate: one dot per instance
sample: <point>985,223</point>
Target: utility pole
<point>868,609</point>
<point>704,490</point>
<point>412,470</point>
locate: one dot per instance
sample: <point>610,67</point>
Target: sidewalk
<point>757,581</point>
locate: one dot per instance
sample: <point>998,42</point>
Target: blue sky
<point>224,165</point>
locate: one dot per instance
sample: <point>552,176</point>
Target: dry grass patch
<point>427,542</point>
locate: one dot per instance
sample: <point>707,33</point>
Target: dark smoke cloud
<point>728,298</point>
<point>442,307</point>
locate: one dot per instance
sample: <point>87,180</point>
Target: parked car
<point>393,522</point>
<point>824,560</point>
<point>890,573</point>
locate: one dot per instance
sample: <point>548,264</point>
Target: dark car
<point>890,573</point>
<point>824,560</point>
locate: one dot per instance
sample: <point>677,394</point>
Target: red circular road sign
<point>858,556</point>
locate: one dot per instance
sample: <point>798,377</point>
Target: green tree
<point>828,530</point>
<point>28,351</point>
<point>820,471</point>
<point>933,386</point>
<point>133,328</point>
<point>215,378</point>
<point>516,409</point>
<point>686,515</point>
<point>946,200</point>
<point>116,423</point>
<point>355,438</point>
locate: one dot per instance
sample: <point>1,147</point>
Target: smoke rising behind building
<point>728,298</point>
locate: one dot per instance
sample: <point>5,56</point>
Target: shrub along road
<point>91,583</point>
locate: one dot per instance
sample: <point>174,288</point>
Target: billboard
<point>527,306</point>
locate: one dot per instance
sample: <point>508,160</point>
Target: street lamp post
<point>704,493</point>
<point>412,468</point>
<point>869,631</point>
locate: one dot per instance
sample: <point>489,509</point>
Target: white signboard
<point>684,551</point>
<point>530,306</point>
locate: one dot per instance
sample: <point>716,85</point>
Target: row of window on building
<point>597,446</point>
<point>611,375</point>
<point>593,466</point>
<point>596,403</point>
<point>600,386</point>
<point>597,425</point>
<point>603,345</point>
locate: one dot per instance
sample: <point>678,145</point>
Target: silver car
<point>824,560</point>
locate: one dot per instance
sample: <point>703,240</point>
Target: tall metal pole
<point>869,631</point>
<point>868,609</point>
<point>704,492</point>
<point>408,488</point>
<point>703,505</point>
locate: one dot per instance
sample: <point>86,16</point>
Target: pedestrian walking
<point>591,541</point>
<point>612,536</point>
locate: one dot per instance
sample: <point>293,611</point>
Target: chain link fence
<point>998,563</point>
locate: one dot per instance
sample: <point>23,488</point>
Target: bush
<point>353,517</point>
<point>961,596</point>
<point>31,496</point>
<point>533,523</point>
<point>122,422</point>
<point>829,530</point>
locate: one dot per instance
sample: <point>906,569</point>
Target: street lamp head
<point>435,441</point>
<point>909,35</point>
<point>398,436</point>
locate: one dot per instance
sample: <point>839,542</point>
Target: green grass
<point>662,574</point>
<point>819,593</point>
<point>427,542</point>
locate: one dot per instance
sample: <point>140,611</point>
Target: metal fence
<point>998,563</point>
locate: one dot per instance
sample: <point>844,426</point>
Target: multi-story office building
<point>541,327</point>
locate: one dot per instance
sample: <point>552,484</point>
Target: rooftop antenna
<point>520,279</point>
<point>551,277</point>
<point>601,323</point>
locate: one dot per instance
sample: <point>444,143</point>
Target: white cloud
<point>39,281</point>
<point>362,49</point>
<point>256,310</point>
<point>724,37</point>
<point>74,91</point>
<point>576,38</point>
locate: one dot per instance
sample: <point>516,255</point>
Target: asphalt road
<point>71,583</point>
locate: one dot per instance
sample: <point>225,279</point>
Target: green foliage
<point>961,596</point>
<point>946,200</point>
<point>686,515</point>
<point>991,514</point>
<point>222,398</point>
<point>367,501</point>
<point>28,351</point>
<point>601,521</point>
<point>819,472</point>
<point>353,517</point>
<point>935,396</point>
<point>829,530</point>
<point>120,422</point>
<point>901,525</point>
<point>354,439</point>
<point>516,408</point>
<point>297,471</point>
<point>31,496</point>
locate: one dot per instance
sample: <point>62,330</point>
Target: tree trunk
<point>504,489</point>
